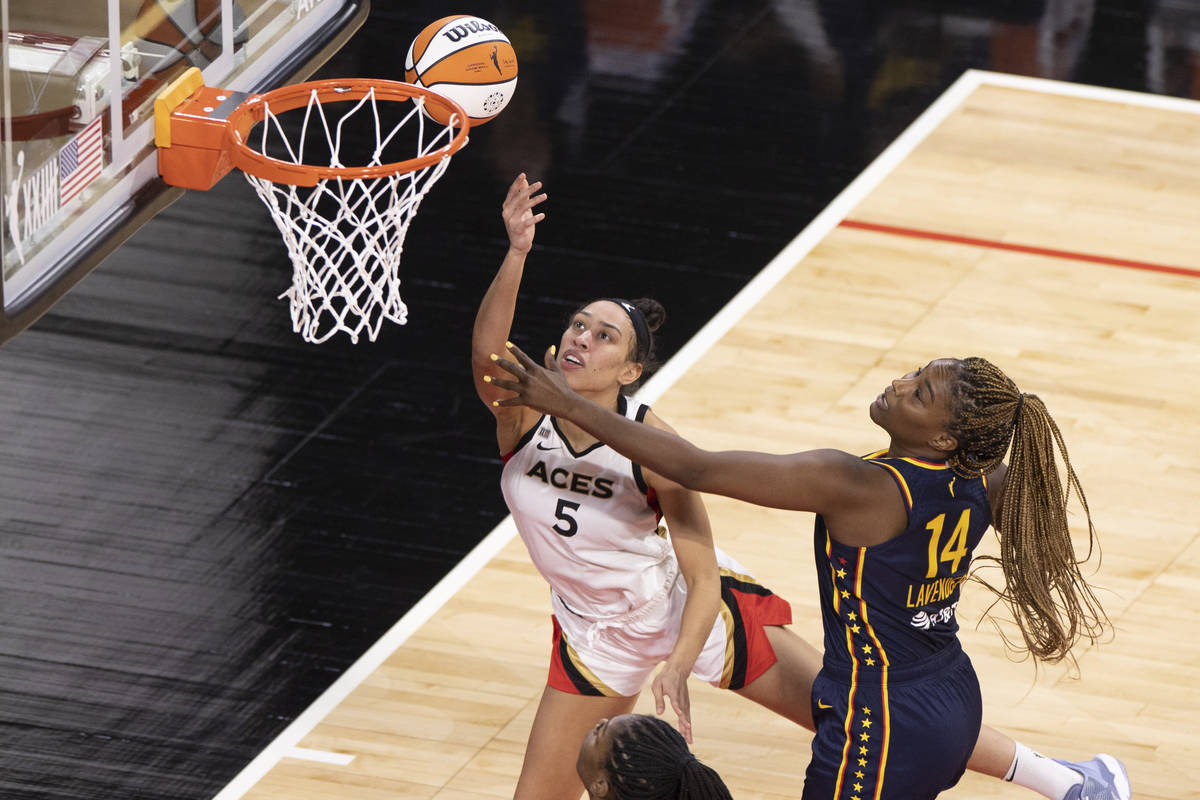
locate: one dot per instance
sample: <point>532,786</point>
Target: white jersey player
<point>637,583</point>
<point>594,530</point>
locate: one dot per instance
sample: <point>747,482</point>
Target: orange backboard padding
<point>197,157</point>
<point>170,98</point>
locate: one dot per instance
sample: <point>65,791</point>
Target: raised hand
<point>541,388</point>
<point>517,211</point>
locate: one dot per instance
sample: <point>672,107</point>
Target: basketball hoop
<point>344,227</point>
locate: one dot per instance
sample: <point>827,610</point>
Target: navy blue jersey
<point>897,704</point>
<point>893,603</point>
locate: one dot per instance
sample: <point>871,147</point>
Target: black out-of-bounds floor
<point>206,520</point>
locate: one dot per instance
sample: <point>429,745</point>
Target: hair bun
<point>652,310</point>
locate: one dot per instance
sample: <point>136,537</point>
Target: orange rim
<point>253,110</point>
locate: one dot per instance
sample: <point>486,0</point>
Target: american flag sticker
<point>80,161</point>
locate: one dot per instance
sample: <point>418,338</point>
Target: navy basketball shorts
<point>894,734</point>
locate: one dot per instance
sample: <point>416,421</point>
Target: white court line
<point>369,661</point>
<point>813,233</point>
<point>1047,86</point>
<point>687,356</point>
<point>323,756</point>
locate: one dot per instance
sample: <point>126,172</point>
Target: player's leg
<point>786,689</point>
<point>561,722</point>
<point>997,755</point>
<point>786,686</point>
<point>762,660</point>
<point>993,753</point>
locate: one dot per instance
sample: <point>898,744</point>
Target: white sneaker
<point>1104,778</point>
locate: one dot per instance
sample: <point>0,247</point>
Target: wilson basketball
<point>467,59</point>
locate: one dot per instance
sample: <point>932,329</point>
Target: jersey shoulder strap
<point>637,412</point>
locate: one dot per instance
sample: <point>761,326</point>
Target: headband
<point>640,329</point>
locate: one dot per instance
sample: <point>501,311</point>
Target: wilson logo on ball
<point>466,59</point>
<point>459,32</point>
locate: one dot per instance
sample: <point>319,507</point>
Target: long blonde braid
<point>1051,602</point>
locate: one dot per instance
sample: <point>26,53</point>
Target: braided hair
<point>651,761</point>
<point>1051,602</point>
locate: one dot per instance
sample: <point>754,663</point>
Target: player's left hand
<point>671,682</point>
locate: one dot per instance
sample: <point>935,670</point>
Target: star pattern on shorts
<point>866,751</point>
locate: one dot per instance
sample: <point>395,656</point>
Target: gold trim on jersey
<point>726,572</point>
<point>862,755</point>
<point>908,500</point>
<point>934,465</point>
<point>587,674</point>
<point>731,627</point>
<point>730,650</point>
<point>885,663</point>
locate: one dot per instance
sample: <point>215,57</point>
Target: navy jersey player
<point>897,700</point>
<point>897,703</point>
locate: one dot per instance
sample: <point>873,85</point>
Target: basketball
<point>466,59</point>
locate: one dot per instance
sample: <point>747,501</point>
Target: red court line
<point>914,233</point>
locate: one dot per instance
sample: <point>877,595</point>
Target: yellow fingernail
<point>487,378</point>
<point>553,349</point>
<point>495,402</point>
<point>509,345</point>
<point>495,357</point>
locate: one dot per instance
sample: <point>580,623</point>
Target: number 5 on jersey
<point>563,515</point>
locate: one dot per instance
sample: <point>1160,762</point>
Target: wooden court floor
<point>1114,350</point>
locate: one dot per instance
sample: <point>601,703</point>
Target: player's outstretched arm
<point>814,480</point>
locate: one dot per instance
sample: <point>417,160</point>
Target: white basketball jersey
<point>588,521</point>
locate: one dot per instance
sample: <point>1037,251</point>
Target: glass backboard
<point>79,169</point>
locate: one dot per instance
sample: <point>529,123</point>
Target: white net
<point>345,236</point>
